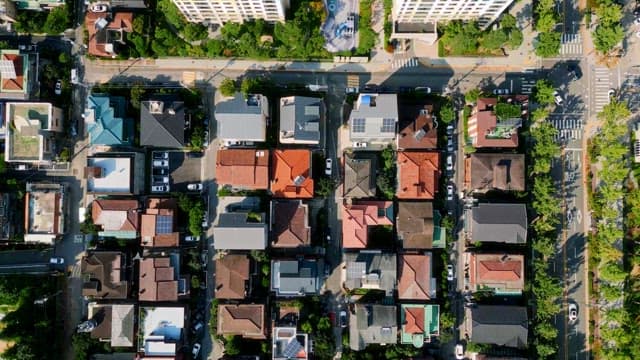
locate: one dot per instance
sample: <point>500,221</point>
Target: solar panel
<point>164,224</point>
<point>292,349</point>
<point>7,69</point>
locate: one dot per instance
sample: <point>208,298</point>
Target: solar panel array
<point>164,224</point>
<point>7,69</point>
<point>292,349</point>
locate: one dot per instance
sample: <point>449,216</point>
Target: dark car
<point>194,154</point>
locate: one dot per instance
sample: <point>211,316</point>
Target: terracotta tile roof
<point>232,274</point>
<point>418,174</point>
<point>289,167</point>
<point>103,208</point>
<point>159,214</point>
<point>156,281</point>
<point>357,217</point>
<point>497,271</point>
<point>121,21</point>
<point>414,318</point>
<point>414,224</point>
<point>16,84</point>
<point>484,172</point>
<point>415,277</point>
<point>417,130</point>
<point>104,274</point>
<point>290,224</point>
<point>244,320</point>
<point>483,121</point>
<point>243,168</point>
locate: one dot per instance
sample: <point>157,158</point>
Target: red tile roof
<point>130,223</point>
<point>232,273</point>
<point>245,320</point>
<point>415,277</point>
<point>483,121</point>
<point>496,271</point>
<point>291,175</point>
<point>121,21</point>
<point>156,281</point>
<point>414,318</point>
<point>290,224</point>
<point>418,131</point>
<point>356,219</point>
<point>17,83</point>
<point>243,168</point>
<point>149,235</point>
<point>418,174</point>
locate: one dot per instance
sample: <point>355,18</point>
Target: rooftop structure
<point>105,275</point>
<point>159,278</point>
<point>290,224</point>
<point>418,128</point>
<point>485,172</point>
<point>418,174</point>
<point>162,121</point>
<point>158,223</point>
<point>373,119</point>
<point>44,212</point>
<point>105,122</point>
<point>30,132</point>
<point>288,343</point>
<point>14,77</point>
<point>114,323</point>
<point>291,174</point>
<point>416,280</point>
<point>236,11</point>
<point>501,273</point>
<point>115,173</point>
<point>360,174</point>
<point>371,270</point>
<point>232,276</point>
<point>38,5</point>
<point>372,324</point>
<point>494,122</point>
<point>242,119</point>
<point>500,223</point>
<point>418,226</point>
<point>236,231</point>
<point>359,216</point>
<point>295,277</point>
<point>420,323</point>
<point>106,31</point>
<point>119,218</point>
<point>243,168</point>
<point>246,320</point>
<point>497,324</point>
<point>161,330</point>
<point>300,119</point>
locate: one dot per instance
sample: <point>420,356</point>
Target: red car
<point>332,317</point>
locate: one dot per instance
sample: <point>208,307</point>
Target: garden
<point>467,39</point>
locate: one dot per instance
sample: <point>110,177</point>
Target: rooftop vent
<point>299,180</point>
<point>156,107</point>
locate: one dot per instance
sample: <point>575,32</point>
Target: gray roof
<point>300,118</point>
<point>162,122</point>
<point>128,4</point>
<point>502,223</point>
<point>500,325</point>
<point>360,174</point>
<point>233,232</point>
<point>374,108</point>
<point>373,269</point>
<point>295,278</point>
<point>242,119</point>
<point>373,324</point>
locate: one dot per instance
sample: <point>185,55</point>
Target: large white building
<point>237,11</point>
<point>417,19</point>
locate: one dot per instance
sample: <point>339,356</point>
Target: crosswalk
<point>571,45</point>
<point>569,126</point>
<point>601,87</point>
<point>526,86</point>
<point>404,63</point>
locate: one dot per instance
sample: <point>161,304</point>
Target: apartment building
<point>237,11</point>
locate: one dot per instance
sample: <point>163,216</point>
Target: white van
<point>74,76</point>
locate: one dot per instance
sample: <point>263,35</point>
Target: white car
<point>161,163</point>
<point>196,350</point>
<point>450,145</point>
<point>449,163</point>
<point>160,155</point>
<point>611,93</point>
<point>194,187</point>
<point>450,129</point>
<point>99,8</point>
<point>160,188</point>
<point>343,319</point>
<point>328,167</point>
<point>557,98</point>
<point>424,89</point>
<point>359,144</point>
<point>449,192</point>
<point>190,238</point>
<point>449,272</point>
<point>56,261</point>
<point>500,91</point>
<point>58,88</point>
<point>459,352</point>
<point>573,312</point>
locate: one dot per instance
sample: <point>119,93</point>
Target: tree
<point>3,164</point>
<point>228,87</point>
<point>197,137</point>
<point>543,92</point>
<point>324,187</point>
<point>196,215</point>
<point>515,38</point>
<point>609,14</point>
<point>259,255</point>
<point>508,21</point>
<point>548,44</point>
<point>607,37</point>
<point>138,24</point>
<point>136,94</point>
<point>57,21</point>
<point>472,96</point>
<point>232,345</point>
<point>494,39</point>
<point>447,114</point>
<point>64,58</point>
<point>546,22</point>
<point>194,32</point>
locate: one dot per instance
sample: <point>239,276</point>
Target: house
<point>291,174</point>
<point>15,75</point>
<point>295,277</point>
<point>107,32</point>
<point>419,323</point>
<point>373,119</point>
<point>104,118</point>
<point>500,223</point>
<point>118,218</point>
<point>418,174</point>
<point>288,343</point>
<point>128,4</point>
<point>8,13</point>
<point>485,172</point>
<point>31,129</point>
<point>502,274</point>
<point>359,216</point>
<point>290,224</point>
<point>161,330</point>
<point>360,174</point>
<point>162,122</point>
<point>115,173</point>
<point>418,128</point>
<point>159,279</point>
<point>7,227</point>
<point>372,324</point>
<point>105,275</point>
<point>300,119</point>
<point>502,325</point>
<point>494,122</point>
<point>242,118</point>
<point>159,222</point>
<point>113,323</point>
<point>418,226</point>
<point>416,280</point>
<point>44,216</point>
<point>369,269</point>
<point>246,320</point>
<point>232,276</point>
<point>243,169</point>
<point>236,231</point>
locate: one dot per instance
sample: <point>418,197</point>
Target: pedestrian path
<point>404,63</point>
<point>601,87</point>
<point>526,86</point>
<point>569,126</point>
<point>571,45</point>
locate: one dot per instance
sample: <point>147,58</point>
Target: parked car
<point>450,129</point>
<point>450,145</point>
<point>160,179</point>
<point>58,89</point>
<point>99,8</point>
<point>161,163</point>
<point>196,350</point>
<point>557,98</point>
<point>161,155</point>
<point>459,352</point>
<point>449,192</point>
<point>205,220</point>
<point>343,319</point>
<point>191,238</point>
<point>160,188</point>
<point>56,261</point>
<point>611,93</point>
<point>449,272</point>
<point>160,171</point>
<point>205,142</point>
<point>194,154</point>
<point>573,312</point>
<point>197,327</point>
<point>423,89</point>
<point>328,166</point>
<point>327,270</point>
<point>449,163</point>
<point>500,91</point>
<point>194,187</point>
<point>359,144</point>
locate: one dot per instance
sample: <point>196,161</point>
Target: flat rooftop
<point>43,212</point>
<point>162,330</point>
<point>26,120</point>
<point>115,175</point>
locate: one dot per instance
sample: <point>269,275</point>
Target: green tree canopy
<point>494,39</point>
<point>447,114</point>
<point>508,21</point>
<point>193,32</point>
<point>607,37</point>
<point>548,44</point>
<point>543,92</point>
<point>228,87</point>
<point>58,20</point>
<point>472,95</point>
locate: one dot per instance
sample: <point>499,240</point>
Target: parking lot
<point>340,28</point>
<point>172,171</point>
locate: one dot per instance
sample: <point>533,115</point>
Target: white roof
<point>116,175</point>
<point>166,323</point>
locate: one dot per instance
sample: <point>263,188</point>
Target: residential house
<point>16,76</point>
<point>290,224</point>
<point>300,119</point>
<point>160,280</point>
<point>485,172</point>
<point>232,276</point>
<point>243,169</point>
<point>502,325</point>
<point>7,227</point>
<point>418,128</point>
<point>118,218</point>
<point>359,216</point>
<point>373,119</point>
<point>502,274</point>
<point>113,323</point>
<point>128,4</point>
<point>104,118</point>
<point>242,118</point>
<point>158,223</point>
<point>107,32</point>
<point>161,331</point>
<point>494,122</point>
<point>237,231</point>
<point>419,323</point>
<point>44,213</point>
<point>31,129</point>
<point>500,223</point>
<point>8,13</point>
<point>416,280</point>
<point>246,320</point>
<point>291,174</point>
<point>162,122</point>
<point>418,174</point>
<point>295,277</point>
<point>288,343</point>
<point>372,324</point>
<point>115,173</point>
<point>418,226</point>
<point>370,269</point>
<point>360,174</point>
<point>105,275</point>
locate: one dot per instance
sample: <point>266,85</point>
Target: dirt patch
<point>4,345</point>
